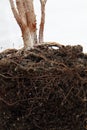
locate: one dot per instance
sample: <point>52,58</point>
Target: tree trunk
<point>41,30</point>
<point>24,14</point>
<point>27,39</point>
<point>31,19</point>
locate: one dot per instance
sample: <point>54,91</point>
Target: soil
<point>43,88</point>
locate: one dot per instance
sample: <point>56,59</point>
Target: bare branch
<point>21,10</point>
<point>16,15</point>
<point>41,30</point>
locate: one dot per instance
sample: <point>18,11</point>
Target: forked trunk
<point>24,14</point>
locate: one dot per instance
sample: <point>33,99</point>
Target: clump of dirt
<point>43,89</point>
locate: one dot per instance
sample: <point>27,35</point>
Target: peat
<point>43,89</point>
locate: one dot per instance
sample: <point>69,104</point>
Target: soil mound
<point>43,89</point>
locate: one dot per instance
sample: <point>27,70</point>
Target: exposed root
<point>44,89</point>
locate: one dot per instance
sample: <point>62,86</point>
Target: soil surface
<point>43,89</point>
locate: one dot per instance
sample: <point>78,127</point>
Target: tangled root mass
<point>43,89</point>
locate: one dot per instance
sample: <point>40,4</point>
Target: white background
<point>66,23</point>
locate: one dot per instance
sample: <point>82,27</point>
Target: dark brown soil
<point>43,89</point>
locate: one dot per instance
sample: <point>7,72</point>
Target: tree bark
<point>27,39</point>
<point>41,30</point>
<point>31,19</point>
<point>26,19</point>
<point>21,10</point>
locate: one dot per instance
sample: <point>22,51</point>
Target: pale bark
<point>26,38</point>
<point>26,19</point>
<point>16,15</point>
<point>41,29</point>
<point>31,19</point>
<point>21,10</point>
